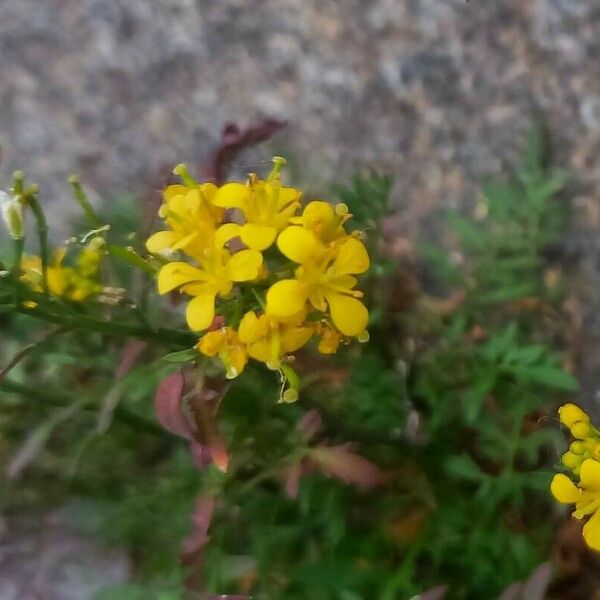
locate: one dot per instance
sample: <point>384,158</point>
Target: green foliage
<point>367,198</point>
<point>446,402</point>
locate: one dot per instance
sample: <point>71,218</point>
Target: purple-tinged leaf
<point>233,141</point>
<point>310,424</point>
<point>347,466</point>
<point>436,593</point>
<point>167,405</point>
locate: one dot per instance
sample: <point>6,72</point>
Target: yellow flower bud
<point>577,447</point>
<point>570,460</point>
<point>580,430</point>
<point>570,414</point>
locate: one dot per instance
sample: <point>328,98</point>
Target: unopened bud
<point>577,447</point>
<point>363,337</point>
<point>570,460</point>
<point>12,213</point>
<point>580,429</point>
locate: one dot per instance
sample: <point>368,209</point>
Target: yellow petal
<point>58,280</point>
<point>258,237</point>
<point>160,241</point>
<point>287,195</point>
<point>244,265</point>
<point>299,244</point>
<point>186,241</point>
<point>238,358</point>
<point>591,531</point>
<point>249,329</point>
<point>590,475</point>
<point>317,213</point>
<point>260,350</point>
<point>571,413</point>
<point>209,191</point>
<point>353,258</point>
<point>286,298</point>
<point>225,233</point>
<point>564,490</point>
<point>176,274</point>
<point>349,315</point>
<point>200,311</point>
<point>174,190</point>
<point>232,195</point>
<point>294,338</point>
<point>211,342</point>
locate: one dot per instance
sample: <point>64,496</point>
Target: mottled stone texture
<point>437,91</point>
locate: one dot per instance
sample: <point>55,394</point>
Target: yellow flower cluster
<point>583,459</point>
<point>275,277</point>
<point>74,283</point>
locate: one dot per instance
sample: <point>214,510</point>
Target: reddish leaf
<point>204,407</point>
<point>130,355</point>
<point>436,593</point>
<point>292,480</point>
<point>233,141</point>
<point>310,424</point>
<point>167,405</point>
<point>201,519</point>
<point>347,466</point>
<point>200,455</point>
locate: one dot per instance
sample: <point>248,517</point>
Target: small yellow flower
<point>214,276</point>
<point>585,496</point>
<point>587,437</point>
<point>325,221</point>
<point>324,278</point>
<point>226,343</point>
<point>192,218</point>
<point>269,340</point>
<point>73,283</point>
<point>267,207</point>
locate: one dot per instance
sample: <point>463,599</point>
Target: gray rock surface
<point>41,558</point>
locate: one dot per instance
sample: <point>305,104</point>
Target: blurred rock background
<point>438,92</point>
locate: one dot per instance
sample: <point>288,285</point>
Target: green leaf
<point>551,377</point>
<point>182,356</point>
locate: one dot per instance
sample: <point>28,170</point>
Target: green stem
<point>54,399</point>
<point>132,258</point>
<point>19,245</point>
<point>168,337</point>
<point>42,230</point>
<point>84,202</point>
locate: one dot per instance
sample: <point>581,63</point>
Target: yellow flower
<point>73,283</point>
<point>192,219</point>
<point>218,270</point>
<point>266,205</point>
<point>587,437</point>
<point>226,343</point>
<point>329,338</point>
<point>325,279</point>
<point>325,221</point>
<point>585,496</point>
<point>269,339</point>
